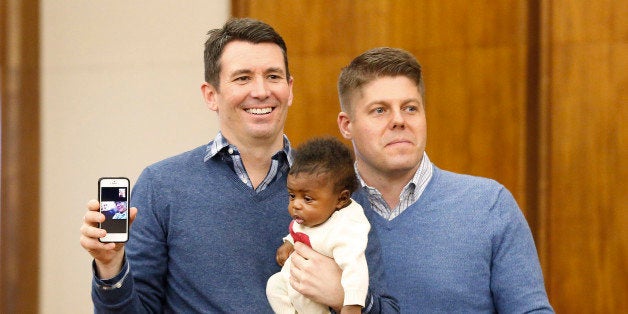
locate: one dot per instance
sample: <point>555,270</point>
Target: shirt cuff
<point>111,283</point>
<point>368,304</point>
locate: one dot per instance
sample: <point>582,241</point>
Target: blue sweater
<point>203,241</point>
<point>464,246</point>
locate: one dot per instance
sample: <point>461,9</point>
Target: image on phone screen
<point>115,206</point>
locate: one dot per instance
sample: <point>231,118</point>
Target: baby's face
<point>312,198</point>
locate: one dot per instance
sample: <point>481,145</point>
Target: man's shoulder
<point>455,179</point>
<point>192,156</point>
<point>475,191</point>
<point>183,165</point>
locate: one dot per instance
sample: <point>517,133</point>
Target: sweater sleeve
<point>111,295</point>
<point>378,299</point>
<point>516,278</point>
<point>142,289</point>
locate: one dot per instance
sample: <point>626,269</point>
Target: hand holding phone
<point>113,195</point>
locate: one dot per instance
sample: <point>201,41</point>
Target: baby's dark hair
<point>326,155</point>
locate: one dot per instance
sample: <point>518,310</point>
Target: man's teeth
<point>259,110</point>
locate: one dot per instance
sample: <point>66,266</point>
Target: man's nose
<point>397,120</point>
<point>260,89</point>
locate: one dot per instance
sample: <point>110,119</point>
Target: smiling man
<point>206,223</point>
<point>252,101</point>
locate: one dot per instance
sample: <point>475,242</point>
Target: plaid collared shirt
<point>279,166</point>
<point>410,193</point>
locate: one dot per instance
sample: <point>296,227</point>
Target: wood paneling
<point>588,198</point>
<point>531,93</point>
<point>475,76</point>
<point>19,211</point>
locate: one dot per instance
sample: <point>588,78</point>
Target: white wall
<point>120,90</point>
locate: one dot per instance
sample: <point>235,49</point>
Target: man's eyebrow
<point>389,101</point>
<point>275,70</point>
<point>247,71</point>
<point>240,71</point>
<point>413,99</point>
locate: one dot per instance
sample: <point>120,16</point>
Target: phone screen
<point>114,204</point>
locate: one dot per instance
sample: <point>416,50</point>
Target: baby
<point>320,183</point>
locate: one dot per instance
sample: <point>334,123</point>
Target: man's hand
<point>316,276</point>
<point>108,256</point>
<point>283,252</point>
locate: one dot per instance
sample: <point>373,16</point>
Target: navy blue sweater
<point>203,241</point>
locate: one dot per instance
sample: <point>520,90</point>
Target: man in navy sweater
<point>206,223</point>
<point>451,243</point>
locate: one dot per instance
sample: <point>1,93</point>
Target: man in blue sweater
<point>451,243</point>
<point>207,222</point>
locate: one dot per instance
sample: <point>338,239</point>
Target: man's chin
<point>265,133</point>
<point>401,164</point>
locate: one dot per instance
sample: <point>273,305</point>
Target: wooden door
<point>19,169</point>
<point>586,104</point>
<point>530,93</point>
<point>475,77</point>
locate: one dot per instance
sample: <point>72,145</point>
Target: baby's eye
<point>308,199</point>
<point>291,196</point>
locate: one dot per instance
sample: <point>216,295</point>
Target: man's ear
<point>344,125</point>
<point>291,96</point>
<point>343,199</point>
<point>209,95</point>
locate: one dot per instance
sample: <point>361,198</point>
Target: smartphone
<point>113,195</point>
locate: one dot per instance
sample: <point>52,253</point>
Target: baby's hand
<point>283,252</point>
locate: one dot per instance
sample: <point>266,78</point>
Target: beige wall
<point>120,89</point>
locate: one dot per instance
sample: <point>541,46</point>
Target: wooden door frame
<point>20,156</point>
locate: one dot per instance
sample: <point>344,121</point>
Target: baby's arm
<point>349,253</point>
